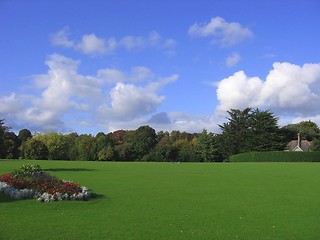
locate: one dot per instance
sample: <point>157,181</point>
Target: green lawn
<point>172,201</point>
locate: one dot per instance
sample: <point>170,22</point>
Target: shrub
<point>35,149</point>
<point>28,169</point>
<point>276,156</point>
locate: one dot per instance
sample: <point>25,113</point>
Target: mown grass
<point>172,201</point>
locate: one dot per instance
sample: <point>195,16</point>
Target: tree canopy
<point>307,129</point>
<point>250,130</point>
<point>244,131</point>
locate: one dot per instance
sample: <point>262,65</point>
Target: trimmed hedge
<point>276,156</point>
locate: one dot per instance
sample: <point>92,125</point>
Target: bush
<point>27,170</point>
<point>276,156</point>
<point>35,149</point>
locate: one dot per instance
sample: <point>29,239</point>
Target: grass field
<point>172,201</point>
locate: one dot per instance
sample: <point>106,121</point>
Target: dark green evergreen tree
<point>250,130</point>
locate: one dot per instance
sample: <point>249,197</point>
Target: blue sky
<point>90,66</point>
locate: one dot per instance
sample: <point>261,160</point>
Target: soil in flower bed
<point>30,181</point>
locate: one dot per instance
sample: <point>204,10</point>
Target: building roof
<point>304,146</point>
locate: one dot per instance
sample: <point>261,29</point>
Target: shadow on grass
<point>69,169</point>
<point>5,199</point>
<point>96,196</point>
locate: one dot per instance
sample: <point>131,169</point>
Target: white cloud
<point>10,104</point>
<point>112,75</point>
<point>62,90</point>
<point>233,59</point>
<point>92,45</point>
<point>153,40</point>
<point>293,88</point>
<point>238,91</point>
<point>156,40</point>
<point>89,44</point>
<point>139,73</point>
<point>65,85</point>
<point>129,101</point>
<point>288,89</point>
<point>62,97</point>
<point>222,32</point>
<point>61,38</point>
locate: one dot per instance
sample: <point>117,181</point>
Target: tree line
<point>245,131</point>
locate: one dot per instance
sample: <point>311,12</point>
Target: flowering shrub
<point>28,170</point>
<point>32,182</point>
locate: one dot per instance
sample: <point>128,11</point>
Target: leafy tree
<point>73,151</point>
<point>9,142</point>
<point>57,145</point>
<point>106,154</point>
<point>3,130</point>
<point>100,134</point>
<point>125,152</point>
<point>206,147</point>
<point>142,141</point>
<point>308,130</point>
<point>162,153</point>
<point>83,144</point>
<point>162,135</point>
<point>101,141</point>
<point>315,145</point>
<point>24,135</point>
<point>118,136</point>
<point>11,145</point>
<point>35,149</point>
<point>187,151</point>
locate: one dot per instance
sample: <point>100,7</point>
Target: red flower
<point>51,186</point>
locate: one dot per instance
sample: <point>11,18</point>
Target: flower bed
<point>32,182</point>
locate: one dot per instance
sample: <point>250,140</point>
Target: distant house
<point>299,145</point>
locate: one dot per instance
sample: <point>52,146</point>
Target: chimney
<point>299,139</point>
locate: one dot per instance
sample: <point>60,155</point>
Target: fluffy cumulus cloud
<point>238,91</point>
<point>93,45</point>
<point>89,44</point>
<point>59,91</point>
<point>129,101</point>
<point>288,89</point>
<point>107,97</point>
<point>222,32</point>
<point>65,85</point>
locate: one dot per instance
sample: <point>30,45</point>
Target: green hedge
<point>276,156</point>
